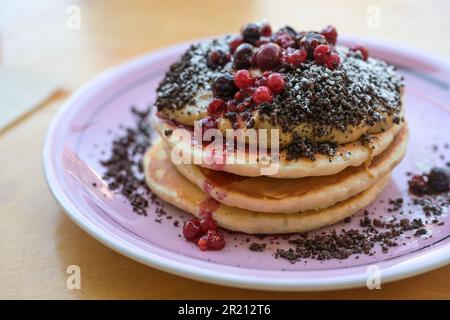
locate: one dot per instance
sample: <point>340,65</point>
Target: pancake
<point>172,187</point>
<point>315,102</point>
<point>348,155</point>
<point>268,194</point>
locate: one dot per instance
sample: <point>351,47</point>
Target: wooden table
<point>37,240</point>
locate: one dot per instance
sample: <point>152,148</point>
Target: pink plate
<point>79,133</point>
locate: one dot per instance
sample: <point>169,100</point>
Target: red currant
<point>208,223</point>
<point>216,107</point>
<point>362,49</point>
<point>333,61</point>
<point>266,30</point>
<point>275,82</point>
<point>262,94</point>
<point>330,33</point>
<point>321,54</point>
<point>295,57</point>
<point>212,240</point>
<point>191,230</point>
<point>242,79</point>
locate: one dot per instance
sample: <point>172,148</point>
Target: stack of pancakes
<point>271,205</point>
<point>303,194</point>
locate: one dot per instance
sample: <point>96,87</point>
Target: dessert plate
<point>81,135</point>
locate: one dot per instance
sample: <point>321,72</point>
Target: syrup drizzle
<point>208,207</point>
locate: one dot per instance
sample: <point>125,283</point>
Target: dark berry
<point>362,49</point>
<point>191,230</point>
<point>216,107</point>
<point>321,54</point>
<point>295,57</point>
<point>330,33</point>
<point>268,56</point>
<point>243,56</point>
<point>234,43</point>
<point>251,33</point>
<point>333,61</point>
<point>439,179</point>
<point>242,79</point>
<point>310,41</point>
<point>217,58</point>
<point>266,30</point>
<point>289,30</point>
<point>285,40</point>
<point>275,82</point>
<point>262,94</point>
<point>223,86</point>
<point>208,223</point>
<point>418,185</point>
<point>212,240</point>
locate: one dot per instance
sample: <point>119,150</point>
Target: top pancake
<point>347,155</point>
<point>316,103</point>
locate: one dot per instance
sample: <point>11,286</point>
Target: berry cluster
<point>204,232</point>
<point>241,91</point>
<point>436,181</point>
<point>258,47</point>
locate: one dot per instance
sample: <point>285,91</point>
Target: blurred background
<point>65,42</point>
<point>49,48</point>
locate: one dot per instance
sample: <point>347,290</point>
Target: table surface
<point>38,242</point>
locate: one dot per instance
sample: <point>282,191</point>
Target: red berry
<point>333,61</point>
<point>262,94</point>
<point>266,30</point>
<point>235,42</point>
<point>275,82</point>
<point>208,223</point>
<point>216,107</point>
<point>321,54</point>
<point>268,56</point>
<point>362,49</point>
<point>242,79</point>
<point>191,230</point>
<point>330,33</point>
<point>212,240</point>
<point>295,57</point>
